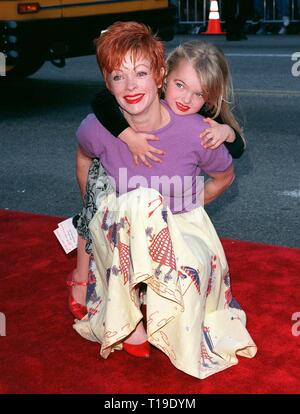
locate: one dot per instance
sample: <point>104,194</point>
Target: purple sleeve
<point>215,160</point>
<point>88,136</point>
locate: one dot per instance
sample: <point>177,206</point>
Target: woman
<point>152,229</point>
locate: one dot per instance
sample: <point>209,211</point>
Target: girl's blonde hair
<point>212,68</point>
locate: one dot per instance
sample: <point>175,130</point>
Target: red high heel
<point>77,309</point>
<point>139,350</point>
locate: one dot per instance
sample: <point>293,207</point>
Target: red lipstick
<point>133,99</point>
<point>181,107</point>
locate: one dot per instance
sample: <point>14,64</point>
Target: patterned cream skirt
<point>191,314</point>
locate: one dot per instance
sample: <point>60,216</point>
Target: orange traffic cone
<point>214,25</point>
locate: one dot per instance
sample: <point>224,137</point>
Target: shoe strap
<point>77,283</point>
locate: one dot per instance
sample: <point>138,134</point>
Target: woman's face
<point>184,92</point>
<point>133,86</point>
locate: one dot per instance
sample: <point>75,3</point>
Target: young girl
<point>184,98</point>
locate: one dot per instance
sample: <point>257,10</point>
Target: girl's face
<point>133,86</point>
<point>184,92</point>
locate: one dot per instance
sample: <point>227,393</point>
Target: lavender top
<point>177,177</point>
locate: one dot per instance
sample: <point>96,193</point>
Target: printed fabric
<point>191,314</point>
<point>97,188</point>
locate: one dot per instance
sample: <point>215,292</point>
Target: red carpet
<point>41,353</point>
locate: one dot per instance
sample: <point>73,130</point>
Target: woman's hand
<point>137,143</point>
<point>216,134</point>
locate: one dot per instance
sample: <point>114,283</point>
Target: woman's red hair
<point>136,38</point>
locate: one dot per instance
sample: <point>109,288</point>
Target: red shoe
<point>77,309</point>
<point>140,350</point>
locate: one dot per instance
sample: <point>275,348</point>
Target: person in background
<point>262,12</point>
<point>235,14</point>
<point>283,10</point>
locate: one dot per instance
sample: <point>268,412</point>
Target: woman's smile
<point>134,99</point>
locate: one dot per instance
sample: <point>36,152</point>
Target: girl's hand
<point>137,143</point>
<point>216,134</point>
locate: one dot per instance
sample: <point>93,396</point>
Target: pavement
<point>39,117</point>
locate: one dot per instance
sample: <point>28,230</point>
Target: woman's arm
<point>217,184</point>
<point>83,163</point>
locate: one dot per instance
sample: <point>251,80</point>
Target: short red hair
<point>123,37</point>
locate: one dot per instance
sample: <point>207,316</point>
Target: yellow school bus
<point>34,32</point>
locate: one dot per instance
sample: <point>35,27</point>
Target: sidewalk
<point>258,43</point>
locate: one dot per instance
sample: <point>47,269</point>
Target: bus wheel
<point>23,68</point>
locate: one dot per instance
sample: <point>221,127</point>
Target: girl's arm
<point>219,133</point>
<point>107,110</point>
<point>236,148</point>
